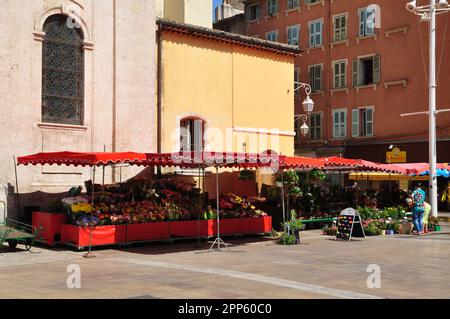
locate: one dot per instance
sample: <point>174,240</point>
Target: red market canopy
<point>184,159</point>
<point>337,163</point>
<point>301,163</point>
<point>82,159</point>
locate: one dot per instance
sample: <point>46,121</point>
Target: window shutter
<point>336,75</point>
<point>311,35</point>
<point>258,12</point>
<point>248,13</point>
<point>355,73</point>
<point>184,136</point>
<point>370,22</point>
<point>319,34</point>
<point>319,70</point>
<point>369,121</point>
<point>336,124</point>
<point>343,28</point>
<point>336,29</point>
<point>355,123</point>
<point>198,135</point>
<point>362,23</point>
<point>376,69</point>
<point>311,79</point>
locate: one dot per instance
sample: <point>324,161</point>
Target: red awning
<point>184,160</point>
<point>208,159</point>
<point>301,163</point>
<point>82,159</point>
<point>339,163</point>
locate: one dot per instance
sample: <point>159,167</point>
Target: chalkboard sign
<point>349,225</point>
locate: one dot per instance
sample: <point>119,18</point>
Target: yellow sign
<point>396,156</point>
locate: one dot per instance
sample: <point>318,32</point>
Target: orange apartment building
<point>363,77</point>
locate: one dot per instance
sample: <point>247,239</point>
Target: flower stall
<point>151,210</point>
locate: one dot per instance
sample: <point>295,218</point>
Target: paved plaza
<point>411,267</point>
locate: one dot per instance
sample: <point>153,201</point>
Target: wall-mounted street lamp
<point>308,106</point>
<point>428,14</point>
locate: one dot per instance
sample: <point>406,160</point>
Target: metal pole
<point>282,196</point>
<point>89,254</point>
<point>218,204</point>
<point>432,112</point>
<point>17,190</point>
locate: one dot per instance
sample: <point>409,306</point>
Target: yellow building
<point>219,91</point>
<point>196,12</point>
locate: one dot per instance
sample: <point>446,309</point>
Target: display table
<point>48,226</point>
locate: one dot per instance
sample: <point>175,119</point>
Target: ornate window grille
<point>62,72</point>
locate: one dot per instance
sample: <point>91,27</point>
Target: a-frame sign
<point>349,225</point>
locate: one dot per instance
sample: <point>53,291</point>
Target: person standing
<point>426,216</point>
<point>418,197</point>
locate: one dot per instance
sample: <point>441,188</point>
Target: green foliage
<point>330,230</point>
<point>287,239</point>
<point>394,225</point>
<point>289,177</point>
<point>318,175</point>
<point>372,229</point>
<point>246,175</point>
<point>395,213</point>
<point>296,191</point>
<point>294,225</point>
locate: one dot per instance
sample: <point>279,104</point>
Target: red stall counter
<point>244,226</point>
<point>192,228</point>
<point>101,235</point>
<point>48,226</point>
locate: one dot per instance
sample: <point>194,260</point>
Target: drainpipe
<point>159,93</point>
<point>159,89</point>
<point>114,106</point>
<point>329,68</point>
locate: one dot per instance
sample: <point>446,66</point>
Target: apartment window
<point>253,12</point>
<point>191,135</point>
<point>315,126</point>
<point>311,1</point>
<point>340,123</point>
<point>272,36</point>
<point>366,22</point>
<point>340,74</point>
<point>340,27</point>
<point>292,4</point>
<point>362,122</point>
<point>366,71</point>
<point>62,72</point>
<point>315,33</point>
<point>296,78</point>
<point>272,7</point>
<point>315,77</point>
<point>293,34</point>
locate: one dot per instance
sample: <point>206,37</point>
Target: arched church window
<point>62,72</point>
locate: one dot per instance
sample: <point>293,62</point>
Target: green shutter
<point>355,123</point>
<point>355,73</point>
<point>376,69</point>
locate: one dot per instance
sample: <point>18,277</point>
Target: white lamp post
<point>308,106</point>
<point>428,13</point>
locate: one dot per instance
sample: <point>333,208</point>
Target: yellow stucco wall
<point>229,86</point>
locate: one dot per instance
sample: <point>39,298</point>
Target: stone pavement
<point>411,267</point>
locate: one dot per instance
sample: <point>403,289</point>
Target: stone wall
<point>119,91</point>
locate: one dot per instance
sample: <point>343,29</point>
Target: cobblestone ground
<point>411,267</point>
